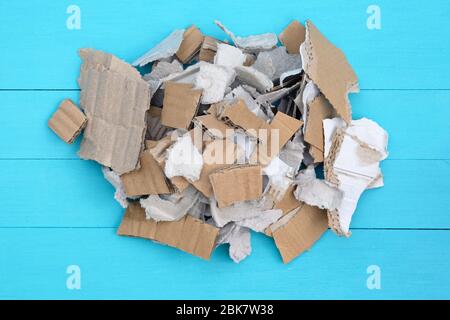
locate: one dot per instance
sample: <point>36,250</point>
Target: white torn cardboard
<point>253,43</point>
<point>352,164</point>
<point>239,240</point>
<point>229,56</point>
<point>213,80</point>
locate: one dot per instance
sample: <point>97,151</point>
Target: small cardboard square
<point>300,232</point>
<point>192,40</point>
<point>213,126</point>
<point>148,179</point>
<point>236,183</point>
<point>208,49</point>
<point>238,115</point>
<point>188,234</point>
<point>293,36</point>
<point>68,121</point>
<point>180,105</point>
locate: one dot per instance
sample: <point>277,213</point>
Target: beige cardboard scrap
<point>282,127</point>
<point>180,104</point>
<point>293,36</point>
<point>238,115</point>
<point>237,183</point>
<point>68,121</point>
<point>208,49</point>
<point>155,130</point>
<point>300,232</point>
<point>190,46</point>
<point>188,234</point>
<point>319,109</point>
<point>327,66</point>
<point>115,99</point>
<point>213,127</point>
<point>218,154</point>
<point>148,179</point>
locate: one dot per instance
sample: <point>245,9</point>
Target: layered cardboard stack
<point>224,137</point>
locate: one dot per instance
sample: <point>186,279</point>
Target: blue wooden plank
<point>413,265</point>
<point>39,51</point>
<point>58,193</point>
<point>415,120</point>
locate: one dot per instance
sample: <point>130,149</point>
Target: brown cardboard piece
<point>208,49</point>
<point>180,104</point>
<point>238,115</point>
<point>319,109</point>
<point>187,234</point>
<point>236,184</point>
<point>214,127</point>
<point>192,40</point>
<point>293,36</point>
<point>230,152</point>
<point>68,121</point>
<point>114,98</point>
<point>300,232</point>
<point>328,67</point>
<point>286,127</point>
<point>148,179</point>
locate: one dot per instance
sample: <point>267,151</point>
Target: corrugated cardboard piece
<point>188,234</point>
<point>208,49</point>
<point>68,121</point>
<point>230,152</point>
<point>214,127</point>
<point>148,179</point>
<point>236,184</point>
<point>319,109</point>
<point>180,105</point>
<point>239,116</point>
<point>115,99</point>
<point>192,40</point>
<point>300,232</point>
<point>293,36</point>
<point>327,66</point>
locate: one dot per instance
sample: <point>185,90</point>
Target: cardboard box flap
<point>300,232</point>
<point>329,69</point>
<point>68,121</point>
<point>319,109</point>
<point>180,104</point>
<point>293,36</point>
<point>115,99</point>
<point>213,126</point>
<point>218,154</point>
<point>148,179</point>
<point>238,115</point>
<point>192,40</point>
<point>237,183</point>
<point>188,234</point>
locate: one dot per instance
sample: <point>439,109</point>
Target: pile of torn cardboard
<point>222,138</point>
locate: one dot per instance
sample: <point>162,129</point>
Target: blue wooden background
<point>57,210</point>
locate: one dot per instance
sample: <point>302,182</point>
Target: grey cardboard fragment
<point>262,221</point>
<point>316,192</point>
<point>253,43</point>
<point>254,78</point>
<point>171,207</point>
<point>166,48</point>
<point>115,180</point>
<point>239,240</point>
<point>277,61</point>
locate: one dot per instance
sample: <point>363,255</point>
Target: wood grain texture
<point>58,210</point>
<point>409,51</point>
<point>120,267</point>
